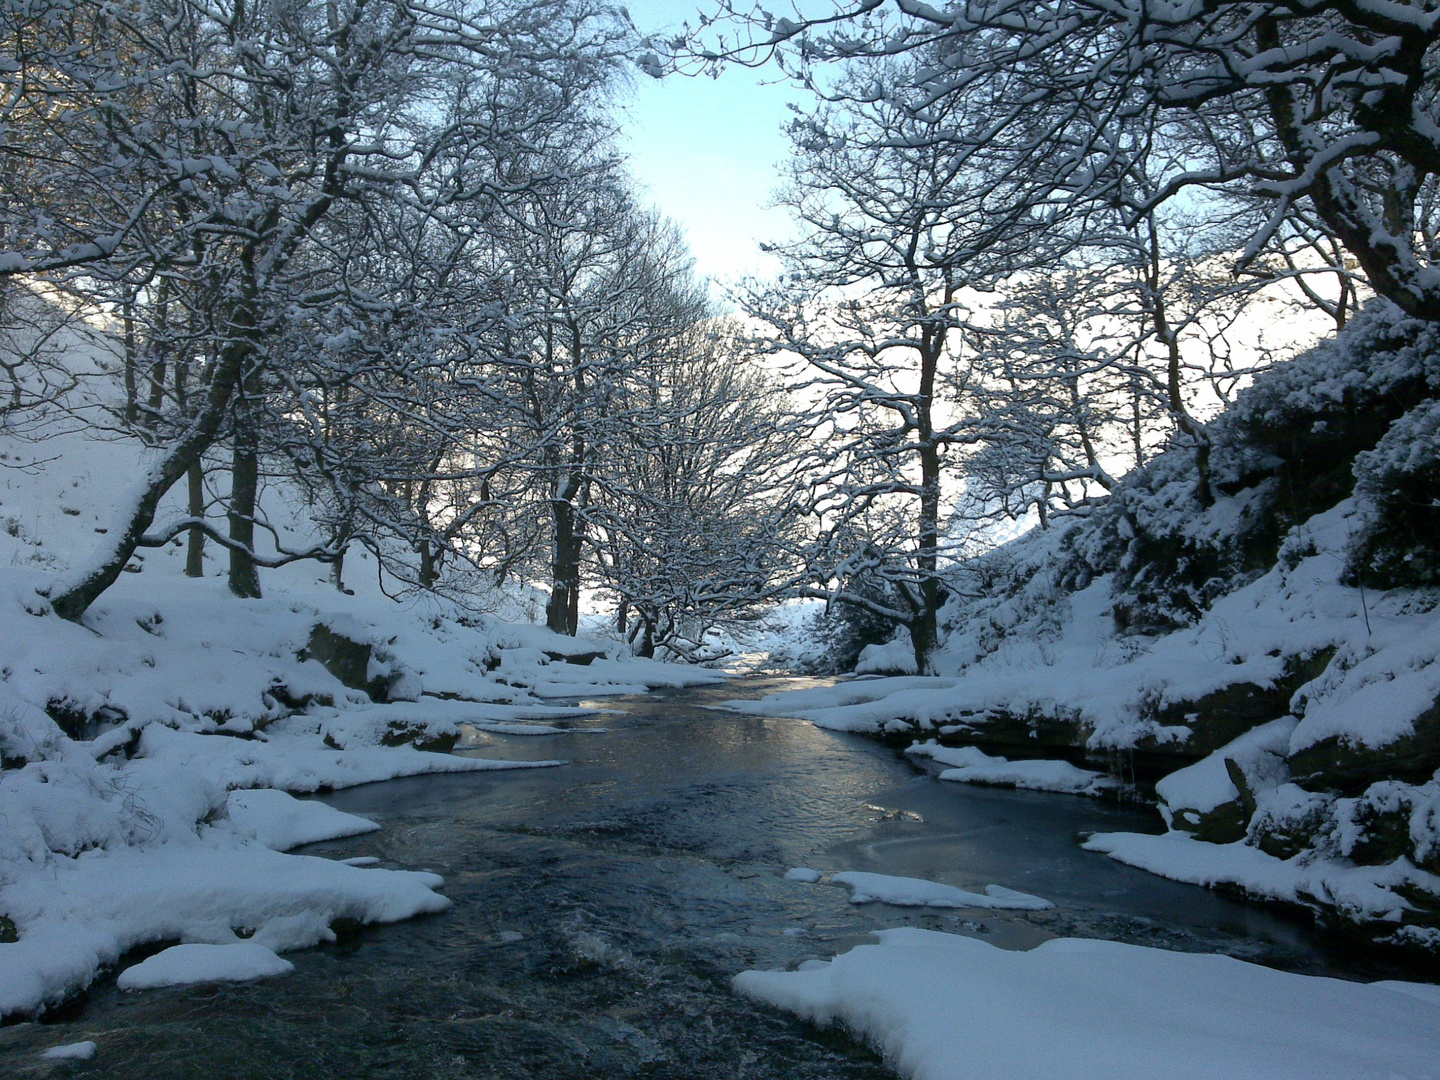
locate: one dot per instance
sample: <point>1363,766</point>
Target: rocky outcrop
<point>1339,764</point>
<point>350,659</point>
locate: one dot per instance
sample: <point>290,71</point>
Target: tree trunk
<point>195,546</point>
<point>132,408</point>
<point>563,607</point>
<point>71,599</point>
<point>924,632</point>
<point>645,646</point>
<point>244,494</point>
<point>429,565</point>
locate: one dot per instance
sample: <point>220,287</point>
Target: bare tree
<point>207,145</point>
<point>872,306</point>
<point>1325,110</point>
<point>697,514</point>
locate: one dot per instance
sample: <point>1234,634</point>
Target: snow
<point>298,764</point>
<point>972,766</point>
<point>895,657</point>
<point>281,822</point>
<point>1206,785</point>
<point>1362,893</point>
<point>76,1051</point>
<point>197,720</point>
<point>802,873</point>
<point>917,892</point>
<point>185,965</point>
<point>1060,655</point>
<point>83,914</point>
<point>944,1007</point>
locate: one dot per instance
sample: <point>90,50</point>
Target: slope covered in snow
<point>148,752</point>
<point>1271,657</point>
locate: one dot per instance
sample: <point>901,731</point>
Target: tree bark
<point>244,491</point>
<point>195,546</point>
<point>561,613</point>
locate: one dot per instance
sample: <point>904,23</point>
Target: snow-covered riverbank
<point>944,1007</point>
<point>150,752</point>
<point>163,815</point>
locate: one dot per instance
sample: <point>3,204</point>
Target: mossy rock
<point>1225,824</point>
<point>1025,735</point>
<point>347,659</point>
<point>400,732</point>
<point>1225,714</point>
<point>1385,835</point>
<point>1336,764</point>
<point>1286,831</point>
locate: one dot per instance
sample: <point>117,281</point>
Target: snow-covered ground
<point>945,1007</point>
<point>165,813</point>
<point>1079,667</point>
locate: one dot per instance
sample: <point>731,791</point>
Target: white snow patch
<point>802,873</point>
<point>972,766</point>
<point>1363,893</point>
<point>917,892</point>
<point>894,657</point>
<point>76,1051</point>
<point>281,821</point>
<point>944,1007</point>
<point>185,965</point>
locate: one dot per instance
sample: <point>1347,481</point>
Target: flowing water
<point>602,907</point>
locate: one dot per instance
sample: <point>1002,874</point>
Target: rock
<point>1216,797</point>
<point>287,697</point>
<point>1034,734</point>
<point>400,732</point>
<point>1375,828</point>
<point>8,933</point>
<point>1223,824</point>
<point>1336,764</point>
<point>1222,716</point>
<point>348,659</point>
<point>584,659</point>
<point>346,929</point>
<point>1291,820</point>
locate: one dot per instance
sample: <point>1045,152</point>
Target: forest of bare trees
<point>389,253</point>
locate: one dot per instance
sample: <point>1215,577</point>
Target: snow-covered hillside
<point>149,753</point>
<point>1274,656</point>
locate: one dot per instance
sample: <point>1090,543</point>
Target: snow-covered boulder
<point>1216,797</point>
<point>894,657</point>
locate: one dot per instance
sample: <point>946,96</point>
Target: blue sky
<point>705,152</point>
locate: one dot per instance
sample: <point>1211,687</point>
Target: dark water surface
<point>601,909</point>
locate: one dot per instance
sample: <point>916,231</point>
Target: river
<point>602,907</point>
